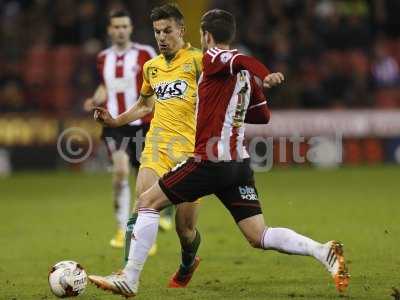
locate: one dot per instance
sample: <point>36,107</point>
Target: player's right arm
<point>140,109</point>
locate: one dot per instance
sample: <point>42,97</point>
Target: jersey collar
<point>119,53</point>
<point>179,52</point>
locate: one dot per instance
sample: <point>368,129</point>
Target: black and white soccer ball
<point>67,279</point>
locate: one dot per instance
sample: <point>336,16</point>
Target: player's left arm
<point>257,112</point>
<point>227,63</point>
<point>244,62</point>
<point>257,118</point>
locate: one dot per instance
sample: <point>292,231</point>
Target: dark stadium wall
<point>193,10</point>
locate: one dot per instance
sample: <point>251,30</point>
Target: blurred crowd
<point>335,54</point>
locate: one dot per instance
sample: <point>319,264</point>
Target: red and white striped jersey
<point>121,73</point>
<point>227,90</point>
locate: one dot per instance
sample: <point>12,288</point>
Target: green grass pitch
<point>48,217</point>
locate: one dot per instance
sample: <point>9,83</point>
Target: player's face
<point>120,30</point>
<point>169,35</point>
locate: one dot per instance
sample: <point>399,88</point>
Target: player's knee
<point>120,165</point>
<point>145,202</point>
<point>120,174</point>
<point>184,223</point>
<point>185,231</point>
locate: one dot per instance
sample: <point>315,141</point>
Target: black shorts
<point>128,138</point>
<point>232,182</point>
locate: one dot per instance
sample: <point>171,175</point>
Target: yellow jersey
<point>174,86</point>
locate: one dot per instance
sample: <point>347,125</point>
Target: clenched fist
<point>103,116</point>
<point>273,79</point>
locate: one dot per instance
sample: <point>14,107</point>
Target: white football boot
<point>116,283</point>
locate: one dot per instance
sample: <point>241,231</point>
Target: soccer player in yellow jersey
<point>170,88</point>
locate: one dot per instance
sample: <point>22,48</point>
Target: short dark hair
<point>221,24</point>
<point>167,11</point>
<point>120,13</point>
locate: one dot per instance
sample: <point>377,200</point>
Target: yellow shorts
<point>160,161</point>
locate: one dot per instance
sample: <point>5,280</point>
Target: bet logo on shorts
<point>248,193</point>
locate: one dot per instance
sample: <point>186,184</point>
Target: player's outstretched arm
<point>273,79</point>
<point>258,69</point>
<point>141,108</point>
<point>98,98</point>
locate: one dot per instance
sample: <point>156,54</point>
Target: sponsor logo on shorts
<point>248,193</point>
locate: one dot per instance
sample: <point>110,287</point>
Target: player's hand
<point>273,79</point>
<point>103,116</point>
<point>89,105</point>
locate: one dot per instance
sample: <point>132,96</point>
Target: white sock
<point>122,198</point>
<point>143,237</point>
<point>290,242</point>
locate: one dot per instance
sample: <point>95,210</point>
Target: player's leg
<point>186,219</point>
<point>242,202</point>
<point>144,235</point>
<point>145,177</point>
<point>114,139</point>
<point>166,218</point>
<point>288,241</point>
<point>150,203</point>
<point>185,183</point>
<point>189,236</point>
<point>121,194</point>
<point>145,180</point>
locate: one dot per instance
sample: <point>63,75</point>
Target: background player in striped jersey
<point>120,69</point>
<point>225,94</point>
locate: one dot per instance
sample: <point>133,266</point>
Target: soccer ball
<point>67,279</point>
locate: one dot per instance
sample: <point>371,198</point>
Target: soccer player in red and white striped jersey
<point>228,94</point>
<point>119,69</point>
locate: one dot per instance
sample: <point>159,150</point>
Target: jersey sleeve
<point>215,63</point>
<point>230,62</point>
<point>244,62</point>
<point>257,112</point>
<point>146,89</point>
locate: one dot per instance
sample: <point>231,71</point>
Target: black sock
<point>189,252</point>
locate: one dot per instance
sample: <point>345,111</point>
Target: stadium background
<point>341,60</point>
